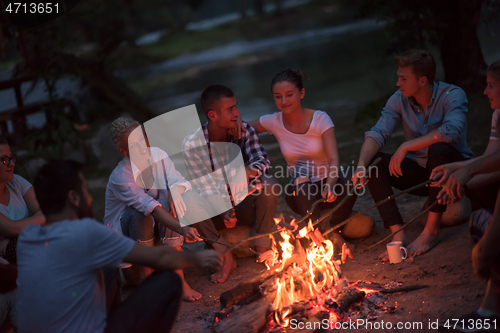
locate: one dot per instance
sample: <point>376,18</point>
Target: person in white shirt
<point>308,143</point>
<point>137,194</point>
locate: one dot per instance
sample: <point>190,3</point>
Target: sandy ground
<point>453,289</point>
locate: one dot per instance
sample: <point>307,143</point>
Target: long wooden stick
<point>394,196</point>
<point>314,205</point>
<point>403,289</point>
<point>401,228</point>
<point>334,209</point>
<point>239,248</point>
<point>330,212</point>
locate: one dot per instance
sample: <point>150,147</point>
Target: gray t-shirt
<point>17,208</point>
<point>60,286</point>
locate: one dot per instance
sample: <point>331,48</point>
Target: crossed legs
<point>141,228</point>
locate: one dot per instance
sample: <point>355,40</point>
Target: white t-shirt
<point>60,285</point>
<point>122,190</point>
<point>17,208</point>
<point>304,153</point>
<point>494,120</point>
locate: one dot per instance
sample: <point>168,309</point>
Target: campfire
<point>303,283</point>
<point>314,270</point>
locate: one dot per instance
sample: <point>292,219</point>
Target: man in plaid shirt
<point>211,156</point>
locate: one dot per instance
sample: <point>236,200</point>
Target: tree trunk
<point>461,54</point>
<point>128,15</point>
<point>279,7</point>
<point>259,7</point>
<point>243,9</point>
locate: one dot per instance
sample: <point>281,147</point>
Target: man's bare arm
<point>369,149</point>
<point>165,258</point>
<point>424,141</point>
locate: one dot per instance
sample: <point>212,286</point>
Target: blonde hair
<point>119,127</point>
<point>421,62</point>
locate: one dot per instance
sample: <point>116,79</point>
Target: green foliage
<point>415,24</point>
<point>410,23</point>
<point>54,139</point>
<point>447,24</point>
<point>369,114</point>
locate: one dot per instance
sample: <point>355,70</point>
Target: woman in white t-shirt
<point>18,205</point>
<point>308,143</point>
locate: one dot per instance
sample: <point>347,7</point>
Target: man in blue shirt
<point>434,118</point>
<point>60,266</point>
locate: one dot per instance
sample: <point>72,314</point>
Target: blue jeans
<point>141,228</point>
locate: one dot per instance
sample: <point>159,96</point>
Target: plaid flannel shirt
<point>199,165</point>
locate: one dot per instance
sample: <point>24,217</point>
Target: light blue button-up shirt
<point>447,112</point>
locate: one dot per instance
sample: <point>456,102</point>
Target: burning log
<point>247,289</point>
<point>347,296</point>
<point>251,320</point>
<point>239,294</point>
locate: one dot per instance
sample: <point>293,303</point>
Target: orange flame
<point>307,278</point>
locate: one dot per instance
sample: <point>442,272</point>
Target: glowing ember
<point>368,291</point>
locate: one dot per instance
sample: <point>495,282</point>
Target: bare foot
<point>188,294</point>
<point>399,237</point>
<point>422,244</point>
<point>339,241</point>
<point>227,266</point>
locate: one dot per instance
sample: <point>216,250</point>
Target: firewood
<point>250,288</point>
<point>240,293</point>
<point>347,296</point>
<point>403,289</point>
<point>249,319</point>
